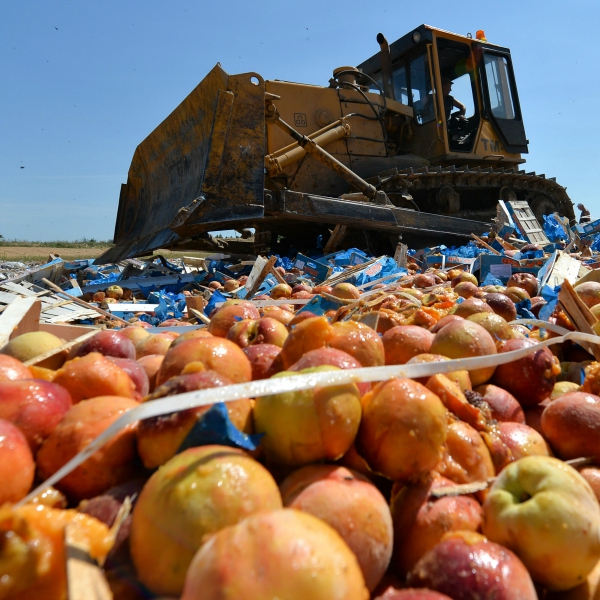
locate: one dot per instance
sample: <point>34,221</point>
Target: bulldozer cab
<point>463,94</point>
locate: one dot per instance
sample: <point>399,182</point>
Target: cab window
<point>498,83</point>
<point>420,90</point>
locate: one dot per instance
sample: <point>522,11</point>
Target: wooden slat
<point>20,310</point>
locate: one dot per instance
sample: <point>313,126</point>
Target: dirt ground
<point>37,253</point>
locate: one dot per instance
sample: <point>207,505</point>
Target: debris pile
<point>393,400</point>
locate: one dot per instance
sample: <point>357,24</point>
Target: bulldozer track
<point>477,178</point>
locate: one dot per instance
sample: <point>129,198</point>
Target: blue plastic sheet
<point>319,305</point>
<point>550,295</point>
<point>596,243</point>
<point>212,303</point>
<point>552,228</point>
<point>285,262</point>
<point>491,280</point>
<point>524,309</point>
<point>215,427</point>
<point>468,251</point>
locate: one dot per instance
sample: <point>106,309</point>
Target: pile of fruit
<point>471,484</point>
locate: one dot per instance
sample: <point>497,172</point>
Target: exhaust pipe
<point>386,66</point>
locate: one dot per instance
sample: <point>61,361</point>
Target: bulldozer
<point>384,152</point>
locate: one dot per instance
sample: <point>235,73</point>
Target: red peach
<point>392,593</point>
<point>522,440</point>
<point>504,405</point>
<point>403,342</point>
<point>231,312</point>
<point>12,369</point>
<point>109,343</point>
<point>525,281</point>
<point>421,520</point>
<point>136,372</point>
<point>16,464</point>
<point>571,424</point>
<point>34,406</point>
<point>111,465</point>
<point>157,343</point>
<point>531,378</point>
<point>151,364</point>
<point>262,357</point>
<point>445,321</point>
<point>94,375</point>
<point>211,353</point>
<point>472,306</point>
<point>360,341</point>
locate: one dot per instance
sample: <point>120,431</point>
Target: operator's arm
<point>462,109</point>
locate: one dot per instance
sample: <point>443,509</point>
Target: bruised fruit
<point>94,375</point>
<point>504,405</point>
<point>196,493</point>
<point>403,429</point>
<point>279,554</point>
<point>310,425</point>
<point>525,281</point>
<point>352,505</point>
<point>230,313</point>
<point>529,379</point>
<point>111,465</point>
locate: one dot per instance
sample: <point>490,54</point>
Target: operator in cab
<point>451,102</point>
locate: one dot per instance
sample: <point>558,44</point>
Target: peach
<point>16,464</point>
<point>462,276</point>
<point>529,379</point>
<point>525,281</point>
<point>210,353</point>
<point>403,429</point>
<point>159,438</point>
<point>346,291</point>
<point>26,346</point>
<point>262,360</point>
<point>230,285</point>
<point>466,457</point>
<point>109,466</point>
<point>461,378</point>
<point>280,291</point>
<point>136,372</point>
<point>360,341</point>
<point>98,296</point>
<point>114,291</point>
<point>445,321</point>
<point>466,289</point>
<point>502,305</point>
<point>571,424</point>
<point>330,356</point>
<point>352,505</point>
<point>155,343</point>
<point>188,335</point>
<point>421,520</point>
<point>403,342</point>
<point>280,554</point>
<point>283,316</point>
<point>310,425</point>
<point>592,476</point>
<point>308,335</point>
<point>258,331</point>
<point>464,339</point>
<point>589,292</point>
<point>134,334</point>
<point>516,294</point>
<point>151,364</point>
<point>467,561</point>
<point>522,440</point>
<point>392,593</point>
<point>94,375</point>
<point>495,325</point>
<point>504,405</point>
<point>228,314</point>
<point>12,369</point>
<point>34,406</point>
<point>471,306</point>
<point>196,493</point>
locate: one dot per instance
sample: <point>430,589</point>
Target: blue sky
<point>84,82</point>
